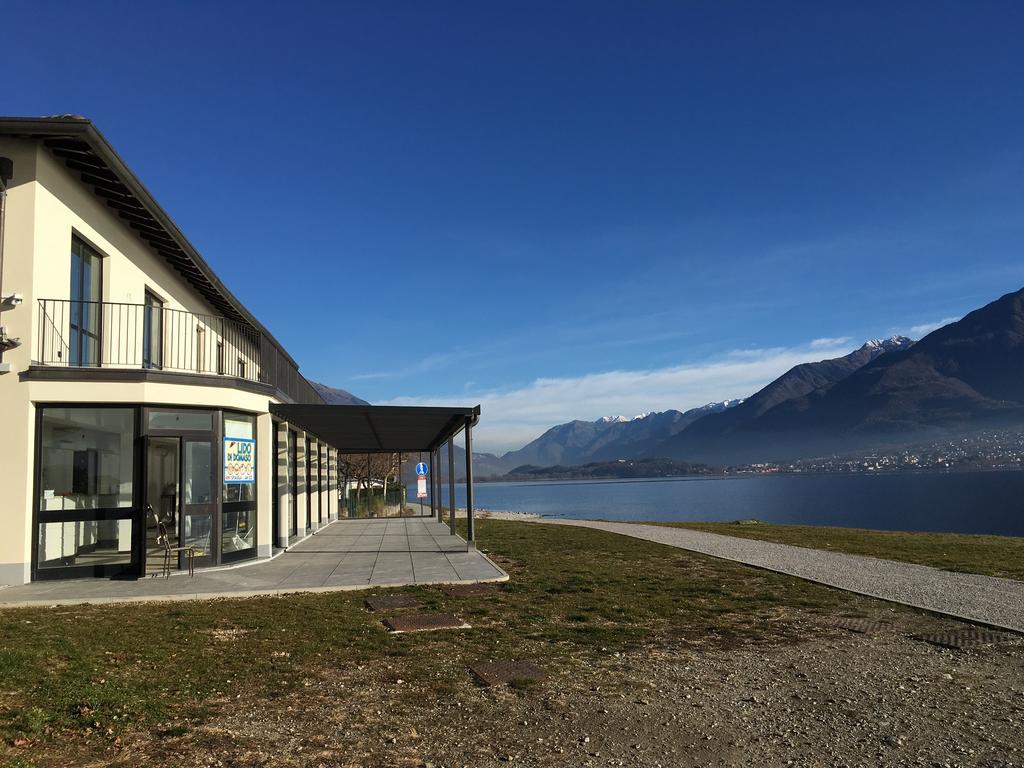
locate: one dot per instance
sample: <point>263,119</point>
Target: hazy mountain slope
<point>611,437</point>
<point>796,382</point>
<point>334,396</point>
<point>965,375</point>
<point>639,437</point>
<point>562,444</point>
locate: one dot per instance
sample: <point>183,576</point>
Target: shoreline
<point>744,474</point>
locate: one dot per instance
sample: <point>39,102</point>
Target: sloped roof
<point>86,152</point>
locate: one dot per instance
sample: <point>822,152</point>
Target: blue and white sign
<point>239,461</point>
<point>421,469</point>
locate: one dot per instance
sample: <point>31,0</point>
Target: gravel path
<point>983,599</point>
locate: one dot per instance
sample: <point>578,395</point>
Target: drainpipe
<point>6,173</point>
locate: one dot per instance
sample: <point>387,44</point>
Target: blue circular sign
<point>421,469</point>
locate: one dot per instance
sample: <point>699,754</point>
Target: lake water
<point>963,502</point>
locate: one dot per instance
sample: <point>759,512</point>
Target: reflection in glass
<point>198,472</point>
<point>238,530</point>
<point>239,426</point>
<point>153,332</point>
<point>87,458</point>
<point>293,484</point>
<point>196,421</point>
<point>86,294</point>
<point>198,532</point>
<point>85,542</point>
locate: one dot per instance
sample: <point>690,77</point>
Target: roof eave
<point>84,129</point>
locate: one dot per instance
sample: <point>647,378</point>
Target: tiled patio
<point>348,554</point>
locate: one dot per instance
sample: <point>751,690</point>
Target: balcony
<point>119,336</point>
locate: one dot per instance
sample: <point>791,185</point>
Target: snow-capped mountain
<point>700,438</point>
<point>609,437</point>
<point>892,344</point>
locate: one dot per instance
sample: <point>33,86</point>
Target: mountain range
<point>888,392</point>
<point>726,436</point>
<point>608,438</point>
<point>964,376</point>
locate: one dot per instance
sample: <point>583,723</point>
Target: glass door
<point>84,341</point>
<point>198,502</point>
<point>163,494</point>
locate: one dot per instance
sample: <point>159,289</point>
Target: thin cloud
<point>917,331</point>
<point>511,418</point>
<point>429,363</point>
<point>830,343</point>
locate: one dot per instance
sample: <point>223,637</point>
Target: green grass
<point>161,668</point>
<point>988,555</point>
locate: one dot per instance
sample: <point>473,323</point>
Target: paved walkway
<point>348,554</point>
<point>983,599</point>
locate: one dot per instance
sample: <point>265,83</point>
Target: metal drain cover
<point>421,622</point>
<point>391,602</point>
<point>967,638</point>
<point>861,626</point>
<point>468,590</point>
<point>501,672</point>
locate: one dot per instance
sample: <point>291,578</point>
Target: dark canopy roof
<point>378,428</point>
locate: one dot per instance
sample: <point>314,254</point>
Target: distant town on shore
<point>998,450</point>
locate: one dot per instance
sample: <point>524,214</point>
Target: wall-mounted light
<point>6,342</point>
<point>10,301</point>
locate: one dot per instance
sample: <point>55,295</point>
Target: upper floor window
<point>85,337</point>
<point>153,332</point>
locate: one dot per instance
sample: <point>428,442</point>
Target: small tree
<point>368,470</point>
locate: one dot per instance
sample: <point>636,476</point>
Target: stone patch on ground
<point>967,638</point>
<point>422,622</point>
<point>861,626</point>
<point>492,673</point>
<point>227,635</point>
<point>391,602</point>
<point>469,590</point>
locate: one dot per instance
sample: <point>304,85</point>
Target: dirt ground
<point>654,657</point>
<point>836,699</point>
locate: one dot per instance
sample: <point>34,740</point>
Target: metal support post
<point>433,496</point>
<point>451,484</point>
<point>470,533</point>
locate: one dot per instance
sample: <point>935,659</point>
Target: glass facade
<point>112,481</point>
<point>198,472</point>
<point>244,428</point>
<point>86,481</point>
<point>238,516</point>
<point>192,421</point>
<point>85,543</point>
<point>87,458</point>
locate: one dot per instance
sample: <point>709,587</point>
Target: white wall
<point>46,205</point>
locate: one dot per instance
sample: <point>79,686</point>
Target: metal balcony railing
<point>103,334</point>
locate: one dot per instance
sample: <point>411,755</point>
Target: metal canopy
<point>378,428</point>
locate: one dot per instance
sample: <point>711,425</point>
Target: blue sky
<point>562,210</point>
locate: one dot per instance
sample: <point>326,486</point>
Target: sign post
<point>421,483</point>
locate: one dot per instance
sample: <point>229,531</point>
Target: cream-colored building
<point>135,389</point>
